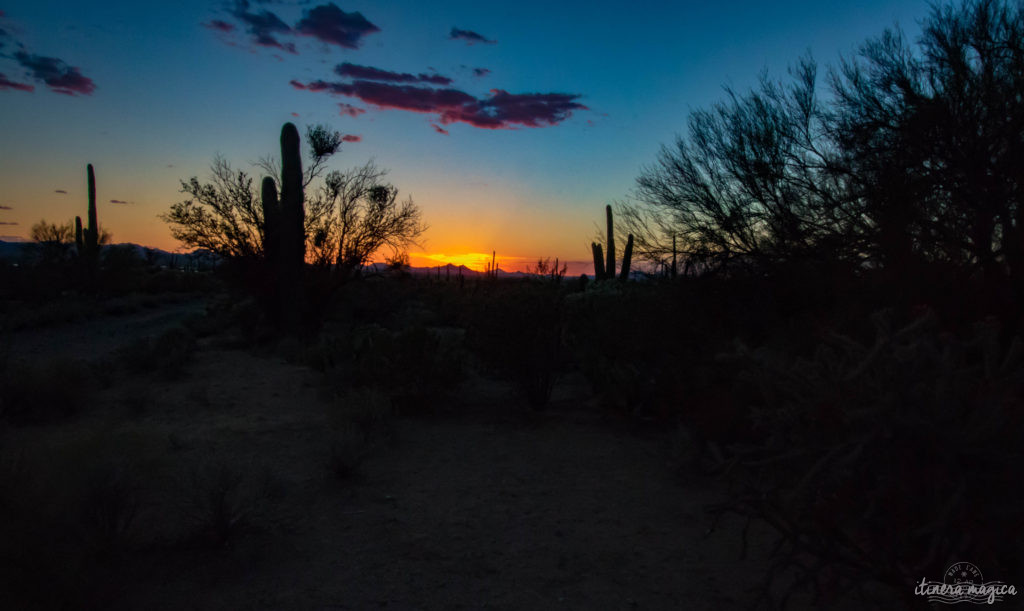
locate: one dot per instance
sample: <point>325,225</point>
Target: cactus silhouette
<point>271,220</point>
<point>79,239</point>
<point>91,235</point>
<point>605,270</point>
<point>609,267</point>
<point>293,239</point>
<point>627,259</point>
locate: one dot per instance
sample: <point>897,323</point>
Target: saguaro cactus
<point>610,265</point>
<point>79,239</point>
<point>91,235</point>
<point>627,259</point>
<point>271,220</point>
<point>606,269</point>
<point>293,238</point>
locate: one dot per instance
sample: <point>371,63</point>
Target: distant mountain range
<point>13,252</point>
<point>16,251</point>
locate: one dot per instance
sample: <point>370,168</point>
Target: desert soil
<point>474,508</point>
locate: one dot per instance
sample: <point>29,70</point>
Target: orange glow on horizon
<point>476,261</point>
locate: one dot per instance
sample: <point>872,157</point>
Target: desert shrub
<point>42,392</point>
<point>417,367</point>
<point>639,346</point>
<point>517,331</point>
<point>68,514</point>
<point>361,421</point>
<point>881,463</point>
<point>217,500</point>
<point>167,354</point>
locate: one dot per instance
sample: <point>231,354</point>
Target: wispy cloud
<point>351,138</point>
<point>6,83</point>
<point>331,25</point>
<point>481,72</point>
<point>62,191</point>
<point>350,110</point>
<point>56,74</point>
<point>470,37</point>
<point>119,201</point>
<point>53,72</point>
<point>8,223</point>
<point>220,25</point>
<point>500,110</point>
<point>263,26</point>
<point>439,129</point>
<point>370,73</point>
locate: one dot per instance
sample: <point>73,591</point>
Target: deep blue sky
<point>160,88</point>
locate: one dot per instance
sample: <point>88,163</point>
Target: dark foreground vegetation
<point>827,323</point>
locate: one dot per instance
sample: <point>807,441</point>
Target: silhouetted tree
<point>915,155</point>
<point>755,179</point>
<point>365,215</point>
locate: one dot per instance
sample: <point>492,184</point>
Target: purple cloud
<point>351,138</point>
<point>470,37</point>
<point>57,75</point>
<point>6,83</point>
<point>350,110</point>
<point>481,72</point>
<point>7,223</point>
<point>62,191</point>
<point>119,201</point>
<point>376,74</point>
<point>263,26</point>
<point>439,129</point>
<point>220,26</point>
<point>501,110</point>
<point>331,25</point>
<point>6,208</point>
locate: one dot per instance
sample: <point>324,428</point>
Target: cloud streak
<point>370,73</point>
<point>351,138</point>
<point>119,201</point>
<point>470,37</point>
<point>499,110</point>
<point>62,191</point>
<point>53,72</point>
<point>6,83</point>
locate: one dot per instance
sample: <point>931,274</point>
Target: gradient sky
<point>551,108</point>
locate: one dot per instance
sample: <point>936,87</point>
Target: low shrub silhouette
<point>217,500</point>
<point>167,354</point>
<point>417,367</point>
<point>881,463</point>
<point>44,391</point>
<point>517,331</point>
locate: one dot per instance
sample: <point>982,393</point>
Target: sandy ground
<point>476,508</point>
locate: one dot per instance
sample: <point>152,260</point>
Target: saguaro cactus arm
<point>598,261</point>
<point>610,265</point>
<point>271,219</point>
<point>627,258</point>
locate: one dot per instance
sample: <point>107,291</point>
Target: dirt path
<point>476,511</point>
<point>98,337</point>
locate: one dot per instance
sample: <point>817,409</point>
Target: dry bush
<point>880,464</point>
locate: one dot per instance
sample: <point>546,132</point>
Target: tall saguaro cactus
<point>271,219</point>
<point>609,267</point>
<point>284,233</point>
<point>91,235</point>
<point>605,269</point>
<point>293,242</point>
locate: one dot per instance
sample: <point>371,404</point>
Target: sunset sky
<point>510,124</point>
